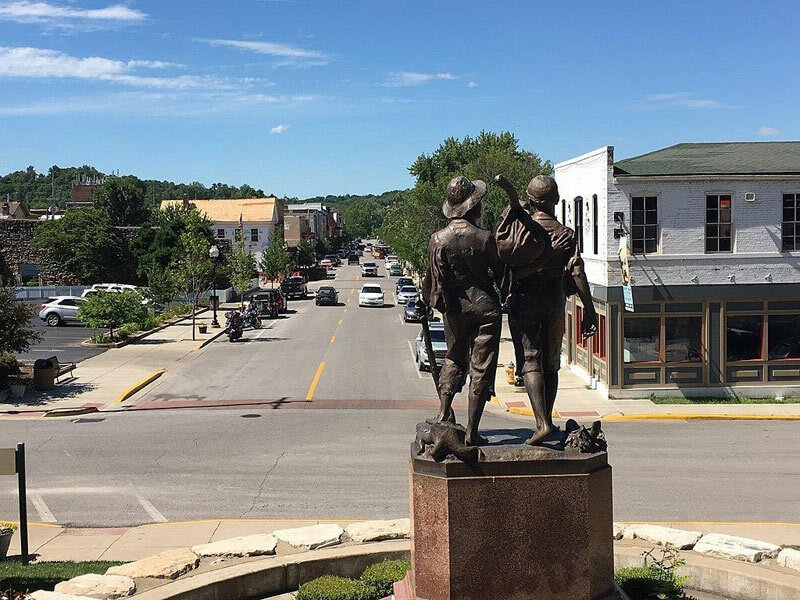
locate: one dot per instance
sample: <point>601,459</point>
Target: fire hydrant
<point>510,368</point>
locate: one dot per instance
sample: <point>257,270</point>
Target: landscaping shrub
<point>382,576</point>
<point>9,367</point>
<point>376,582</point>
<point>126,330</point>
<point>331,587</point>
<point>147,323</point>
<point>657,579</point>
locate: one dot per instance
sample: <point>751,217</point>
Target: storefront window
<point>641,340</point>
<point>682,343</point>
<point>579,339</point>
<point>599,338</point>
<point>744,337</point>
<point>784,336</point>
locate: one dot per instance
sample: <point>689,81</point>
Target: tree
<point>275,259</point>
<point>161,287</point>
<point>306,257</point>
<point>193,266</point>
<point>242,267</point>
<point>322,247</point>
<point>16,333</point>
<point>84,244</point>
<point>124,200</point>
<point>412,219</point>
<point>110,310</point>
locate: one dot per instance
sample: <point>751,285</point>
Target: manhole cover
<point>88,420</point>
<point>251,416</point>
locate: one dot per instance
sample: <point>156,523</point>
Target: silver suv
<point>60,309</point>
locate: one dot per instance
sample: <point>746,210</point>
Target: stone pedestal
<point>523,523</point>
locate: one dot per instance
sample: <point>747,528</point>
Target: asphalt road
<point>344,455</point>
<point>63,341</point>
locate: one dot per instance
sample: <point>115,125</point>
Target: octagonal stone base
<point>522,524</point>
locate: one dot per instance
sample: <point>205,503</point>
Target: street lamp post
<point>213,254</point>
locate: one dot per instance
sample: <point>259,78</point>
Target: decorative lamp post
<point>213,254</point>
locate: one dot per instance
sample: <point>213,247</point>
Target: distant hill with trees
<point>36,189</point>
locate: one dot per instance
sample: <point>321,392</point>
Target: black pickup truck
<point>294,287</point>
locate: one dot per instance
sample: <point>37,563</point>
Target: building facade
<point>251,220</point>
<point>708,236</point>
<point>311,221</point>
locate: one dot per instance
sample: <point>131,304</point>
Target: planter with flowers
<point>6,533</point>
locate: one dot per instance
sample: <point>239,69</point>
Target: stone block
<point>736,548</point>
<point>248,545</point>
<point>523,523</point>
<point>664,536</point>
<point>789,558</point>
<point>98,586</point>
<point>617,531</point>
<point>313,536</point>
<point>169,564</point>
<point>375,531</point>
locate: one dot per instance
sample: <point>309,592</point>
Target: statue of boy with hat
<point>543,265</point>
<point>460,281</point>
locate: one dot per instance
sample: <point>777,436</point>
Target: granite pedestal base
<point>523,523</point>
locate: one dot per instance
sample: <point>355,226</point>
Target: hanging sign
<point>8,461</point>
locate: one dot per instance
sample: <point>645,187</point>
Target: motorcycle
<point>251,318</point>
<point>235,325</point>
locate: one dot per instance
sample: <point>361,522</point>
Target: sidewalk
<point>577,400</point>
<point>106,378</point>
<point>52,542</point>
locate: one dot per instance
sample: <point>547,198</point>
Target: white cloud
<point>472,84</point>
<point>411,78</point>
<point>42,63</point>
<point>278,129</point>
<point>67,15</point>
<point>677,100</point>
<point>768,131</point>
<point>291,55</point>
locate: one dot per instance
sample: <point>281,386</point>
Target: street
<point>312,417</point>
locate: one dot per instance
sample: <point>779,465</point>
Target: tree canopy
<point>275,258</point>
<point>242,268</point>
<point>124,200</point>
<point>411,220</point>
<point>110,310</point>
<point>16,332</point>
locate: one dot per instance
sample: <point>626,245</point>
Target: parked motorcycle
<point>251,317</point>
<point>235,325</point>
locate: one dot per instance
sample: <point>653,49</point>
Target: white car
<point>371,295</point>
<point>407,293</point>
<point>60,309</point>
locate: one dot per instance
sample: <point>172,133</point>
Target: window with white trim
<point>254,235</point>
<point>718,223</point>
<point>790,232</point>
<point>644,224</point>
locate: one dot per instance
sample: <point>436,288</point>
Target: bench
<point>62,368</point>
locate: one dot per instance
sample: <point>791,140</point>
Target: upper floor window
<point>220,233</point>
<point>790,234</point>
<point>563,212</point>
<point>595,226</point>
<point>578,218</point>
<point>644,224</point>
<point>718,223</point>
<point>254,235</point>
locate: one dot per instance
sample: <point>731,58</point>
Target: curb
<point>71,412</point>
<point>142,334</point>
<point>697,417</point>
<point>138,386</point>
<point>205,343</point>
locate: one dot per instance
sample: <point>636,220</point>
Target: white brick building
<point>713,235</point>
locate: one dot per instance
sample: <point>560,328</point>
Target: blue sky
<point>301,97</point>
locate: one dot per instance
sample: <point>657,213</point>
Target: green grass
<point>14,576</point>
<point>651,583</point>
<point>707,400</point>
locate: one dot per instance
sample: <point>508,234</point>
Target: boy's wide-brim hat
<point>543,188</point>
<point>461,196</point>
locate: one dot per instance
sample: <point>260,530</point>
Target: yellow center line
<point>333,338</point>
<point>340,321</point>
<point>315,381</point>
<point>345,309</point>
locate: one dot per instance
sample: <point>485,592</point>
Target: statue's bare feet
<point>476,439</point>
<point>450,416</point>
<point>540,436</point>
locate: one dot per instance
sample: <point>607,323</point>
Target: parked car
<point>439,347</point>
<point>326,262</point>
<point>369,269</point>
<point>327,295</point>
<point>402,282</point>
<point>412,313</point>
<point>395,269</point>
<point>270,302</point>
<point>352,258</point>
<point>407,293</point>
<point>60,309</point>
<point>371,295</point>
<point>392,258</point>
<point>294,287</point>
<point>334,258</point>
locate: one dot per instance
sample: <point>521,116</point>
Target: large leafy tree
<point>193,267</point>
<point>275,258</point>
<point>306,255</point>
<point>242,268</point>
<point>411,220</point>
<point>84,244</point>
<point>124,199</point>
<point>110,310</point>
<point>16,332</point>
